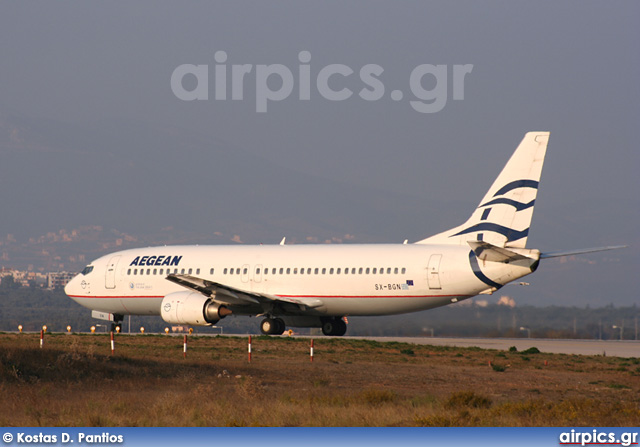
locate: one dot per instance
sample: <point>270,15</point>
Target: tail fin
<point>504,214</point>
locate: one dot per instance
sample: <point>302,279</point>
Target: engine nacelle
<point>191,308</point>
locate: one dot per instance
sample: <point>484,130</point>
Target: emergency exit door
<point>433,272</point>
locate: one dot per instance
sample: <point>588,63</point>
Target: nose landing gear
<point>116,326</point>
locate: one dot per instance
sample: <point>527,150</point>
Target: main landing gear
<point>272,326</point>
<point>330,326</point>
<point>334,326</point>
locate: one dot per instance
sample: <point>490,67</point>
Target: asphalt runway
<point>624,348</point>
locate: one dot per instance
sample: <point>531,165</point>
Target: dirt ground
<point>75,381</point>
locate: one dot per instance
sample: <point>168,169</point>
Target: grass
<point>74,381</point>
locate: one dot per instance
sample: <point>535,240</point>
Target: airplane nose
<point>70,288</point>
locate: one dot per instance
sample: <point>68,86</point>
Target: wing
<point>233,296</point>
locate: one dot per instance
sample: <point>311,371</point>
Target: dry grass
<point>74,381</point>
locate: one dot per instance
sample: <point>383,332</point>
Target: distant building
<point>24,279</point>
<point>58,279</point>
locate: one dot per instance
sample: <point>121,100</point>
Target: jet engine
<point>191,308</point>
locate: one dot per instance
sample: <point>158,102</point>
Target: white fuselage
<point>376,279</point>
<point>317,285</point>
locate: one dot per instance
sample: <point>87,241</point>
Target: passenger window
<point>309,271</point>
<point>281,270</point>
<point>360,271</point>
<point>295,271</point>
<point>161,270</point>
<point>273,271</point>
<point>367,271</point>
<point>190,270</point>
<point>129,272</point>
<point>346,271</point>
<point>288,270</point>
<point>231,271</point>
<point>211,272</point>
<point>315,270</point>
<point>404,270</point>
<point>388,270</point>
<point>331,271</point>
<point>135,271</point>
<point>258,271</point>
<point>224,272</point>
<point>395,270</point>
<point>244,271</point>
<point>302,271</point>
<point>338,271</point>
<point>353,271</point>
<point>324,271</point>
<point>374,271</point>
<point>197,271</point>
<point>155,271</point>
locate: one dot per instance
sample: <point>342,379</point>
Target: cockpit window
<point>88,269</point>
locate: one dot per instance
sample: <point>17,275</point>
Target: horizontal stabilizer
<point>557,254</point>
<point>488,252</point>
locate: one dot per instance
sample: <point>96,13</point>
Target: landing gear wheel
<point>116,326</point>
<point>334,326</point>
<point>341,327</point>
<point>272,326</point>
<point>280,326</point>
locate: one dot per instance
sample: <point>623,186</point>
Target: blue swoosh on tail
<point>519,206</point>
<point>517,184</point>
<point>473,261</point>
<point>510,234</point>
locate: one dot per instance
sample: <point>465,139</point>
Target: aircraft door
<point>245,273</point>
<point>257,273</point>
<point>433,272</point>
<point>110,275</point>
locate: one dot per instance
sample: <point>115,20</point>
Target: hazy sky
<point>572,68</point>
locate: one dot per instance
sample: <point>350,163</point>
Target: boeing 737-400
<point>319,285</point>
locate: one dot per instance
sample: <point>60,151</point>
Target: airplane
<point>320,285</point>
